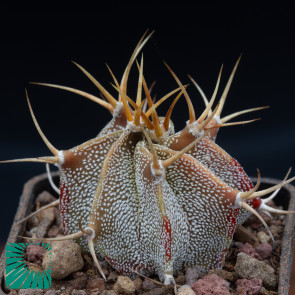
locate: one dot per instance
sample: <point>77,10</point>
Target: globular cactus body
<point>148,199</point>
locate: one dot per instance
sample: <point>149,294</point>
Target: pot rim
<point>30,192</point>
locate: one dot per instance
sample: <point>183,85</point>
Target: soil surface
<point>252,243</point>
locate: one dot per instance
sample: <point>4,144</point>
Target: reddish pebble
<point>264,250</point>
<point>34,253</point>
<point>97,284</point>
<point>249,250</point>
<point>248,287</point>
<point>211,285</point>
<point>79,281</point>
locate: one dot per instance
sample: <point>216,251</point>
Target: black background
<point>195,39</point>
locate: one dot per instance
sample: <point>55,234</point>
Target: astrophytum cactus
<point>145,198</point>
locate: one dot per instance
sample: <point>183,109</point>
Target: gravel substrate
<point>250,267</point>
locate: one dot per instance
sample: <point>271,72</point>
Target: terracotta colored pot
<point>285,198</point>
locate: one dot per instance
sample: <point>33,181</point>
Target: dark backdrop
<point>39,46</point>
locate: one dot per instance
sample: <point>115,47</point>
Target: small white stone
<point>263,237</point>
<point>124,285</point>
<point>185,290</point>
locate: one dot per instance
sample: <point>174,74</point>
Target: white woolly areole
<point>131,126</point>
<point>117,109</point>
<point>238,202</point>
<point>193,128</point>
<point>61,156</point>
<point>165,135</point>
<point>161,168</point>
<point>92,232</point>
<point>217,119</point>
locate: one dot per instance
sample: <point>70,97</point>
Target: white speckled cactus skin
<point>148,199</point>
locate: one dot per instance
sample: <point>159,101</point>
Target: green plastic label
<point>21,274</point>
